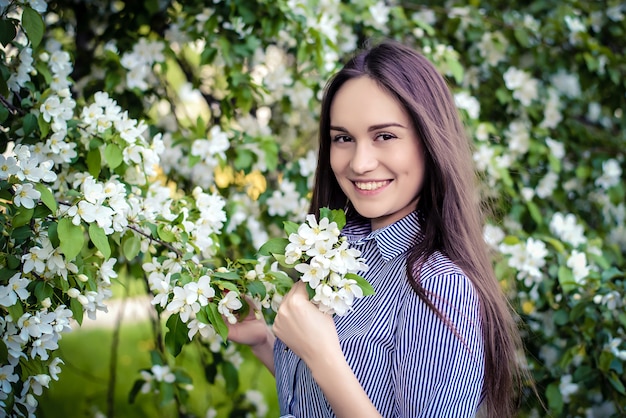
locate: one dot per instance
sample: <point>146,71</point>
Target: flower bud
<point>73,292</point>
<point>83,278</point>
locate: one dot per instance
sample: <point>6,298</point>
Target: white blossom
<point>16,288</point>
<point>611,174</point>
<point>566,228</point>
<point>523,86</point>
<point>567,84</point>
<point>229,303</point>
<point>7,376</point>
<point>547,185</point>
<point>556,148</point>
<point>163,373</point>
<point>469,103</point>
<point>567,388</point>
<point>26,195</point>
<point>8,167</point>
<point>528,259</point>
<point>577,261</point>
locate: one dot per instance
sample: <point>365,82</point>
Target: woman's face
<point>375,153</point>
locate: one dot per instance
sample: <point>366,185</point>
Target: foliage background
<point>205,135</point>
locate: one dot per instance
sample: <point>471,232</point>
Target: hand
<point>306,330</point>
<point>251,330</point>
<point>254,331</point>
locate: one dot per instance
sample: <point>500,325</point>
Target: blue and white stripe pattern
<point>407,360</point>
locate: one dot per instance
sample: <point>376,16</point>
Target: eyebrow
<point>371,128</point>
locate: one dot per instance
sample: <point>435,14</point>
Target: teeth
<point>372,185</point>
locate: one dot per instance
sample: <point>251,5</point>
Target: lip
<point>370,186</point>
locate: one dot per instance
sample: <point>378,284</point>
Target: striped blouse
<point>407,360</point>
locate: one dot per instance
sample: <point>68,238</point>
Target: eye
<point>385,136</point>
<point>341,138</point>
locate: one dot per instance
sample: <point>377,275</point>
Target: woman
<point>437,339</point>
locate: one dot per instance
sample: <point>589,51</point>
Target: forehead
<point>363,101</point>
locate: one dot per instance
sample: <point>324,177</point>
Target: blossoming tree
<point>166,141</point>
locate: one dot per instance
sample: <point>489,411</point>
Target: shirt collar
<point>392,240</point>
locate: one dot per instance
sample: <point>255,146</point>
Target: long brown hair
<point>449,202</point>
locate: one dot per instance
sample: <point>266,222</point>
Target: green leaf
<point>270,148</point>
<point>94,162</point>
<point>231,377</point>
<point>182,377</point>
<point>203,316</point>
<point>616,382</point>
<point>113,156</point>
<point>4,352</point>
<point>566,279</point>
<point>226,285</point>
<point>42,290</point>
<point>22,217</point>
<point>16,311</point>
<point>363,284</point>
<point>152,6</point>
<point>622,318</point>
<point>290,227</point>
<point>272,246</point>
<point>310,291</point>
<point>555,163</point>
<point>456,69</point>
<point>555,399</point>
<point>244,159</point>
<point>558,245</point>
<point>47,197</point>
<point>281,260</point>
<point>337,216</point>
<point>100,240</point>
<point>131,245</point>
<point>228,275</point>
<point>583,172</point>
<point>155,358</point>
<point>77,310</point>
<point>257,288</point>
<point>166,390</point>
<point>522,36</point>
<point>22,233</point>
<point>177,336</point>
<point>29,124</point>
<point>134,391</point>
<point>217,321</point>
<point>535,213</point>
<point>33,25</point>
<point>165,233</point>
<point>281,279</point>
<point>7,31</point>
<point>4,90</point>
<point>611,273</point>
<point>71,238</point>
<point>560,317</point>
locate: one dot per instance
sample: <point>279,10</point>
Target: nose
<point>364,158</point>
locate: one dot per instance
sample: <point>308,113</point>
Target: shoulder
<point>437,266</point>
<point>448,288</point>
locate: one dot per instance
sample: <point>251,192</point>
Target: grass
<point>82,388</point>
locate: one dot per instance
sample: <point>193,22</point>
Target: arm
<point>440,374</point>
<point>312,336</point>
<point>253,331</point>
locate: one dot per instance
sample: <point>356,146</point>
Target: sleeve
<point>439,373</point>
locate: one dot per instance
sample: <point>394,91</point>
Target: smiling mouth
<point>370,185</point>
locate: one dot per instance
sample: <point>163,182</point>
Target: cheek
<point>337,161</point>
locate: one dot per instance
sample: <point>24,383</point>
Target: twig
<point>14,110</point>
